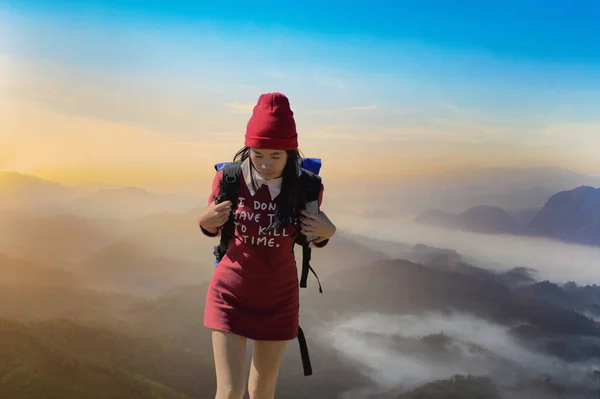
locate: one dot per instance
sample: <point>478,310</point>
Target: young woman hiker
<point>254,291</point>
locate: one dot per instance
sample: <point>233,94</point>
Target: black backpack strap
<point>304,353</point>
<point>311,187</point>
<point>230,185</point>
<point>306,267</point>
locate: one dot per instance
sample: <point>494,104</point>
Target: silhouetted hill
<point>399,286</point>
<point>430,256</point>
<point>481,219</point>
<point>585,299</point>
<point>132,268</point>
<point>583,295</point>
<point>487,219</point>
<point>571,216</point>
<point>439,218</point>
<point>522,217</point>
<point>38,197</point>
<point>567,347</point>
<point>451,260</point>
<point>550,292</point>
<point>517,277</point>
<point>19,190</point>
<point>506,188</point>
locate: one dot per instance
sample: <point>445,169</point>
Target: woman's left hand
<point>317,225</point>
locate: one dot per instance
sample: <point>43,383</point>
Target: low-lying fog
<point>390,350</point>
<point>555,261</point>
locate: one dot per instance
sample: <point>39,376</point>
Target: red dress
<point>254,290</point>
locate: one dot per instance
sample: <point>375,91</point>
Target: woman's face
<point>269,163</point>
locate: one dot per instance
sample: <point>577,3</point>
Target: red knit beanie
<point>272,124</point>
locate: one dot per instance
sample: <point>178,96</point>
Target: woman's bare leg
<point>266,360</point>
<point>230,365</point>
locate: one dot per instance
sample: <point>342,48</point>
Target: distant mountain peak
<point>479,218</point>
<point>570,215</point>
<point>19,190</point>
<point>13,177</point>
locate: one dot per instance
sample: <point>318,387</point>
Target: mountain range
<point>511,189</point>
<point>571,216</point>
<point>34,196</point>
<point>80,338</point>
<point>102,302</point>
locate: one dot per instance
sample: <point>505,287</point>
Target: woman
<point>254,292</point>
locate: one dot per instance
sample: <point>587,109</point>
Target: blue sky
<point>552,31</point>
<point>461,45</point>
<point>429,75</point>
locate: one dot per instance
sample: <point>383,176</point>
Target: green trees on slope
<point>65,360</point>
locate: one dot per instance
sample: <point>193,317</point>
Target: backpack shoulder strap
<point>230,182</point>
<point>230,185</point>
<point>311,183</point>
<point>311,187</point>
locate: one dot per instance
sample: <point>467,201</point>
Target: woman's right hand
<point>215,215</point>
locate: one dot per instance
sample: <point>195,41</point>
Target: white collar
<point>273,184</point>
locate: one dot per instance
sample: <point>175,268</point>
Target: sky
<point>155,93</point>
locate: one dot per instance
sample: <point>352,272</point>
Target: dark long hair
<point>288,198</point>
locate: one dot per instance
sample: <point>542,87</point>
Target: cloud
<point>135,100</point>
<point>415,128</point>
<point>573,130</point>
<point>151,105</point>
<point>239,108</point>
<point>411,123</point>
<point>569,144</point>
<point>41,139</point>
<point>369,107</point>
<point>553,260</point>
<point>391,136</point>
<point>387,348</point>
<point>357,121</point>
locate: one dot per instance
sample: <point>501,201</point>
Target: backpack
<point>310,182</point>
